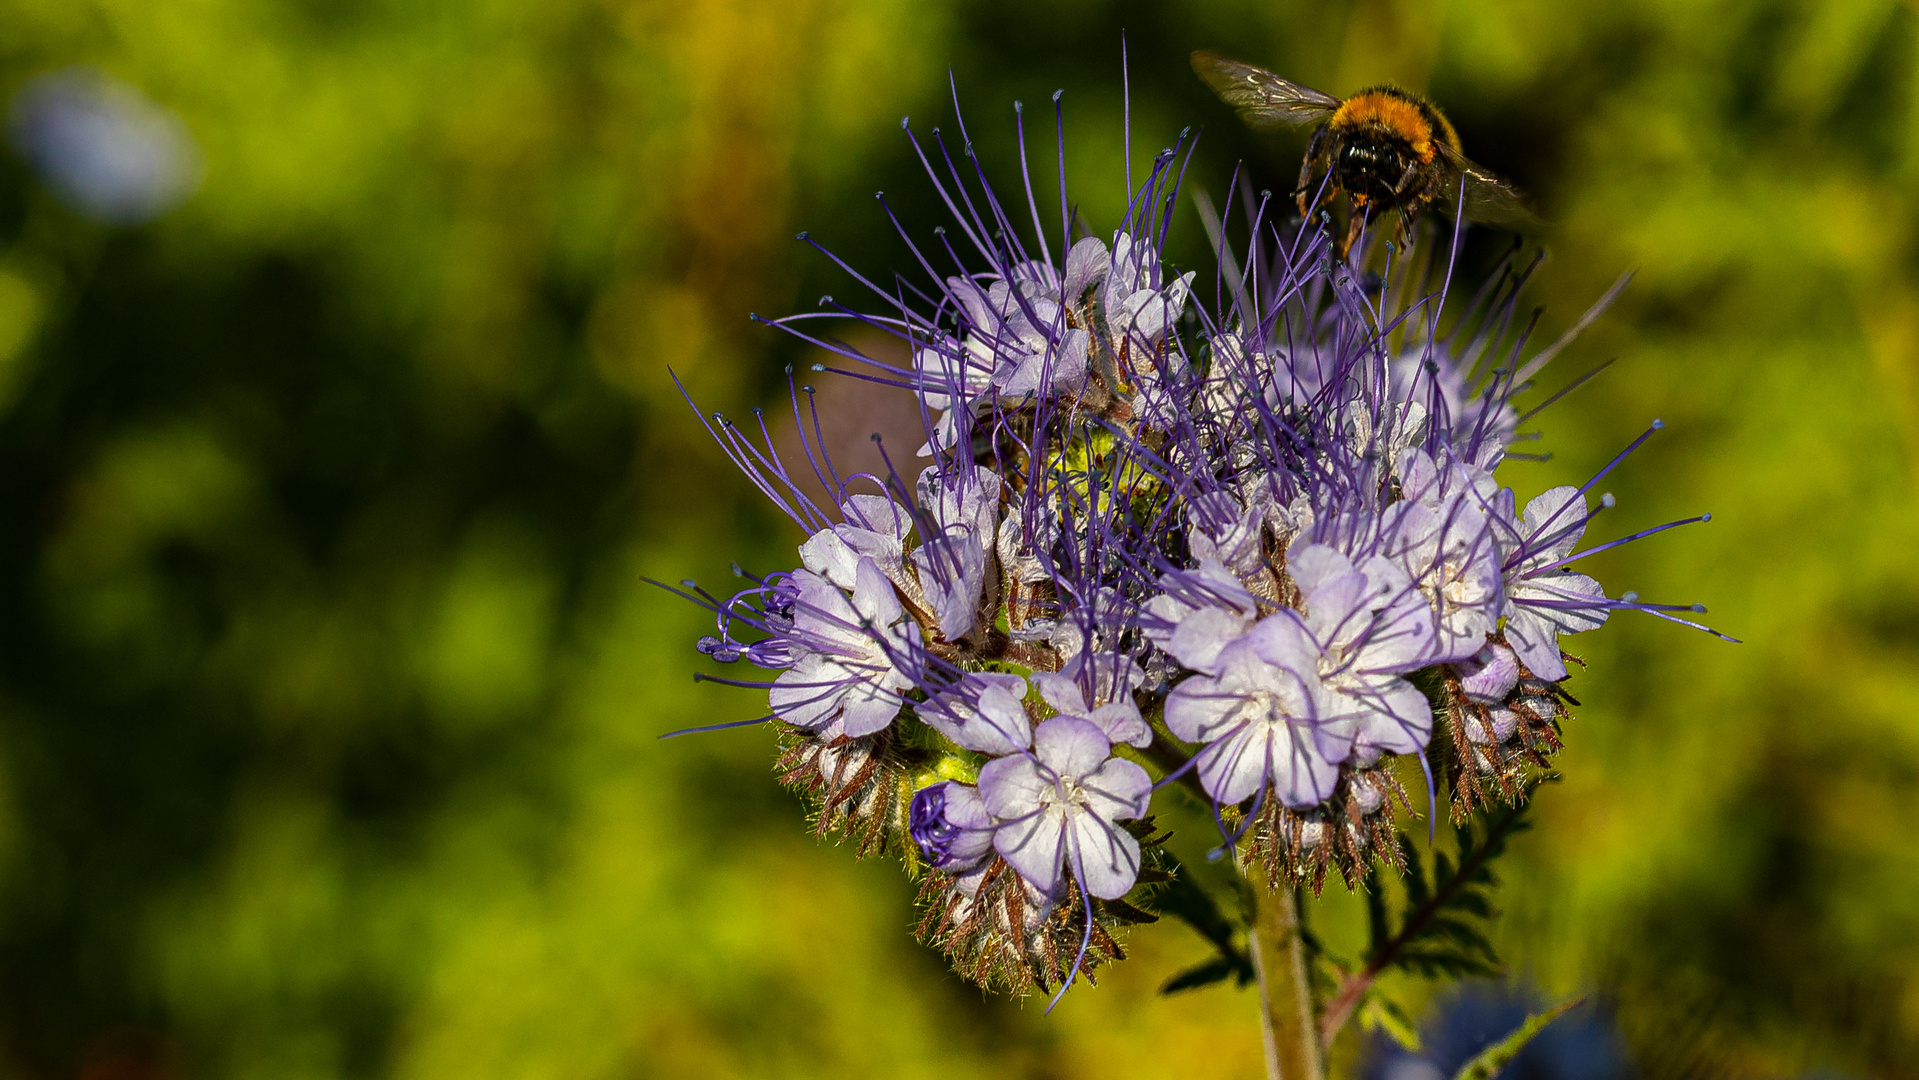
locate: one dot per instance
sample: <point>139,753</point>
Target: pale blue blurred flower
<point>104,148</point>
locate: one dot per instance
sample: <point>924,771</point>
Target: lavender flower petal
<point>1489,675</point>
<point>950,824</point>
<point>985,712</point>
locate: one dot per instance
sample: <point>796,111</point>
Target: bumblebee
<point>1387,149</point>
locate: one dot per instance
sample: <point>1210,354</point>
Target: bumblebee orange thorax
<point>1397,113</point>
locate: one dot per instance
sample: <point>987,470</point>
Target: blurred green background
<point>329,688</point>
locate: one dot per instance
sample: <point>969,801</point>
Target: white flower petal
<point>1012,786</point>
<point>1233,768</point>
<point>1107,856</point>
<point>1301,776</point>
<point>1551,516</point>
<point>1034,846</point>
<point>1118,790</point>
<point>1086,266</point>
<point>1071,746</point>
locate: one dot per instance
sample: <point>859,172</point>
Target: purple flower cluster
<point>1256,544</point>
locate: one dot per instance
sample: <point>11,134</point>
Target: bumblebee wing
<point>1264,100</point>
<point>1489,200</point>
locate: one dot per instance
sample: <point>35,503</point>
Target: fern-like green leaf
<point>1473,902</point>
<point>1464,935</point>
<point>1440,931</point>
<point>1218,969</point>
<point>1184,899</point>
<point>1377,930</point>
<point>1487,1063</point>
<point>1441,962</point>
<point>1417,892</point>
<point>1381,1013</point>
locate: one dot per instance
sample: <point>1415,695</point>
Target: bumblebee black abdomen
<point>1371,167</point>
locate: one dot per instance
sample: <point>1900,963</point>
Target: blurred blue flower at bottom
<point>1578,1046</point>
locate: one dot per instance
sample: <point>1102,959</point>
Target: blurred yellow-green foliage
<point>329,687</point>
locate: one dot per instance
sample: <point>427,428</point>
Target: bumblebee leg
<point>1353,229</point>
<point>1408,221</point>
<point>1406,180</point>
<point>1314,151</point>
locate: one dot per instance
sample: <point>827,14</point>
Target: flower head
<point>1265,539</point>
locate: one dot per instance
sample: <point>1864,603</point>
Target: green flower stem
<point>1279,954</point>
<point>1285,995</point>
